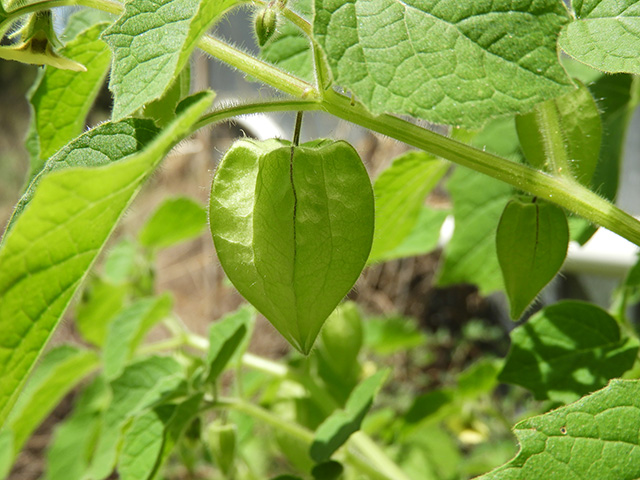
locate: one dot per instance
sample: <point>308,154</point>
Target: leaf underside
<point>451,62</point>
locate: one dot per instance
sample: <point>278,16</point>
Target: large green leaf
<point>102,145</point>
<point>400,192</point>
<point>605,35</point>
<point>151,44</point>
<point>293,229</point>
<point>447,61</point>
<point>596,437</point>
<point>56,239</point>
<point>60,370</point>
<point>61,98</point>
<point>531,241</point>
<point>567,350</point>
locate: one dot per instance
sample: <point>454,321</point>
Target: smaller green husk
<point>532,241</point>
<point>265,25</point>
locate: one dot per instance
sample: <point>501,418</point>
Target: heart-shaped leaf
<point>293,228</point>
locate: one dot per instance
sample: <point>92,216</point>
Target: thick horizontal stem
<point>559,190</point>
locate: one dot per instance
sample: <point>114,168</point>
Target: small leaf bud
<point>265,25</point>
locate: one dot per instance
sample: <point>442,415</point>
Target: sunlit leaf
<point>596,437</point>
<point>605,35</point>
<point>83,204</point>
<point>567,350</point>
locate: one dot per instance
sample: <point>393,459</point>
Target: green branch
<point>263,71</point>
<point>229,112</point>
<point>561,191</point>
<point>293,429</point>
<point>365,464</point>
<point>109,6</point>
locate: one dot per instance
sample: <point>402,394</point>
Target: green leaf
<point>567,350</point>
<point>563,134</point>
<point>84,19</point>
<point>290,49</point>
<point>151,437</point>
<point>140,386</point>
<point>6,452</point>
<point>331,470</point>
<point>423,238</point>
<point>74,439</point>
<point>388,335</point>
<point>596,437</point>
<point>532,241</point>
<point>100,146</point>
<point>183,415</point>
<point>176,220</point>
<point>151,44</point>
<point>163,109</point>
<point>141,446</point>
<point>452,62</point>
<point>479,378</point>
<point>83,204</point>
<point>292,228</point>
<point>470,256</point>
<point>59,371</point>
<point>433,405</point>
<point>430,453</point>
<point>341,424</point>
<point>605,35</point>
<point>120,262</point>
<point>128,328</point>
<point>61,98</point>
<point>101,301</point>
<point>400,193</point>
<point>225,336</point>
<point>38,43</point>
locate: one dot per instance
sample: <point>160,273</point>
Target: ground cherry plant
<point>534,96</point>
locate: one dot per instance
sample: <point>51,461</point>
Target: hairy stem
<point>250,65</point>
<point>561,191</point>
<point>228,112</point>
